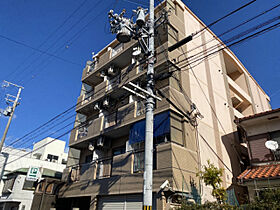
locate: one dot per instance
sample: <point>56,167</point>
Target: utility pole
<point>11,112</point>
<point>148,171</point>
<point>141,31</point>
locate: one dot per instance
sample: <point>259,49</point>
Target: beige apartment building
<point>106,156</point>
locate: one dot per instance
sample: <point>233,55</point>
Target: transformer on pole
<point>10,110</point>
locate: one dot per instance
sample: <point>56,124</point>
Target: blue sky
<point>52,85</point>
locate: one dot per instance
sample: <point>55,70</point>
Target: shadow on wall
<point>195,191</point>
<point>237,154</point>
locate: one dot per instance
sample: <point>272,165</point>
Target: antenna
<point>272,145</point>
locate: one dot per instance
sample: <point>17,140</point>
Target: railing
<point>104,59</point>
<point>120,117</point>
<point>92,129</point>
<point>88,70</point>
<point>123,164</point>
<point>126,113</point>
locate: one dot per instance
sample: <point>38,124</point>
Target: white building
<point>16,192</point>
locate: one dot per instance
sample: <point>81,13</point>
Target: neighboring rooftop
<point>261,114</point>
<point>260,172</point>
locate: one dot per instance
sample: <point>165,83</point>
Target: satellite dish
<point>272,145</point>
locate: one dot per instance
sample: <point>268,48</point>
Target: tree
<point>211,175</point>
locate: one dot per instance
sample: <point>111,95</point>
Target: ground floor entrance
<point>122,202</point>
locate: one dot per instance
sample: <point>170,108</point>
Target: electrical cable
<point>58,137</point>
<point>235,43</point>
<point>48,37</point>
<point>59,115</point>
<point>60,37</point>
<point>240,35</point>
<point>225,16</point>
<point>233,28</point>
<point>192,36</point>
<point>42,132</point>
<point>38,50</point>
<point>67,43</point>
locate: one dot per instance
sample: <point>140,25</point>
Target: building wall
<point>209,88</point>
<point>56,147</point>
<point>211,85</point>
<point>18,194</point>
<point>14,159</point>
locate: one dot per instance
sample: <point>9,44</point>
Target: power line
<point>38,50</point>
<point>60,37</point>
<point>225,16</point>
<point>47,142</point>
<point>57,116</point>
<point>49,36</point>
<point>69,42</point>
<point>235,43</point>
<point>190,37</point>
<point>233,28</point>
<point>248,31</point>
<point>42,132</point>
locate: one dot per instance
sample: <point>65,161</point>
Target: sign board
<point>33,174</point>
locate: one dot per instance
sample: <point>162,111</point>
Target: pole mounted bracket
<point>136,87</point>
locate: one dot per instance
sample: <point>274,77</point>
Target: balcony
<point>92,129</point>
<point>112,57</point>
<point>123,164</point>
<point>111,87</point>
<point>235,87</point>
<point>85,103</point>
<point>129,165</point>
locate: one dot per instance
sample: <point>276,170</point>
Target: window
<point>49,188</point>
<point>40,187</point>
<point>8,185</point>
<point>99,171</point>
<point>119,150</point>
<point>275,136</point>
<point>29,185</point>
<point>138,164</point>
<point>52,158</point>
<point>139,155</point>
<point>117,49</point>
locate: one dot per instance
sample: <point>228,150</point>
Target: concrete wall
<point>208,87</point>
<point>18,194</point>
<point>56,147</point>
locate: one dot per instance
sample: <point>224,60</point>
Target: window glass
<point>49,188</point>
<point>117,49</point>
<point>275,136</point>
<point>52,158</point>
<point>119,150</point>
<point>29,185</point>
<point>8,185</point>
<point>138,163</point>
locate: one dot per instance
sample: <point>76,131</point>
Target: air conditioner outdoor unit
<point>106,102</point>
<point>100,142</point>
<point>89,63</point>
<point>112,71</point>
<point>96,107</point>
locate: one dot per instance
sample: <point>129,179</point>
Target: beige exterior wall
<point>211,85</point>
<point>209,89</point>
